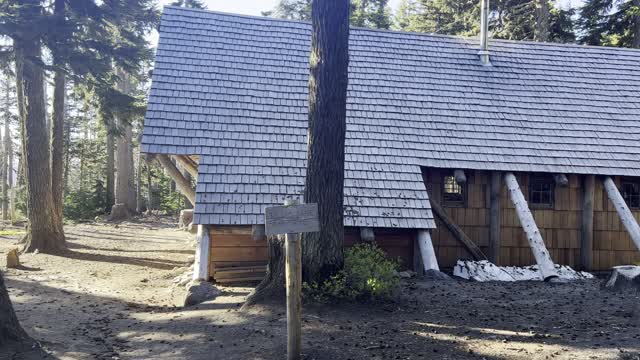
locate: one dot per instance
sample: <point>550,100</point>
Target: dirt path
<point>112,297</point>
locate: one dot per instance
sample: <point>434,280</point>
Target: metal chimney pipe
<point>484,33</point>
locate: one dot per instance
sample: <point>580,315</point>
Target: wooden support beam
<point>427,253</point>
<point>188,164</point>
<point>494,217</point>
<point>418,266</point>
<point>183,184</point>
<point>540,252</point>
<point>257,232</point>
<point>367,234</point>
<point>561,180</point>
<point>460,177</point>
<point>624,213</point>
<point>473,249</point>
<point>201,266</point>
<point>586,240</point>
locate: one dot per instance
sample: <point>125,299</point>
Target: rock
<point>436,275</point>
<point>406,274</point>
<point>200,291</point>
<point>119,212</point>
<point>624,278</point>
<point>13,261</point>
<point>186,218</point>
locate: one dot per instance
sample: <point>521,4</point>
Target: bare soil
<point>112,296</point>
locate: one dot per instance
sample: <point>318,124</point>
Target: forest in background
<point>96,73</point>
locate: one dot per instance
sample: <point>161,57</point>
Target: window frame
<point>631,181</point>
<point>462,203</point>
<point>542,179</point>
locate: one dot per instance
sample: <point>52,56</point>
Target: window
<point>541,191</point>
<point>630,189</point>
<point>453,195</point>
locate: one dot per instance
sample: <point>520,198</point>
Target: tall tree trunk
<point>636,26</point>
<point>542,21</point>
<point>10,329</point>
<point>139,203</point>
<point>44,232</point>
<point>110,169</point>
<point>322,252</point>
<point>125,189</point>
<point>149,188</point>
<point>5,156</point>
<point>67,154</point>
<point>57,126</point>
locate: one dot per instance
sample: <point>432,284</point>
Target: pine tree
<point>193,4</point>
<point>610,23</point>
<point>364,13</point>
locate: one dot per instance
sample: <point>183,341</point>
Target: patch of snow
<point>486,271</point>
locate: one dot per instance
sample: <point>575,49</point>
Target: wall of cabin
<point>235,256</point>
<point>560,226</point>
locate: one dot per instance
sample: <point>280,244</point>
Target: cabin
<point>511,152</point>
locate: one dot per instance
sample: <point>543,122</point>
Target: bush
<point>368,275</point>
<point>83,204</point>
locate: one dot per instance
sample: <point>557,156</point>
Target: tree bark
<point>542,20</point>
<point>57,127</point>
<point>44,232</point>
<point>636,26</point>
<point>149,188</point>
<point>125,191</point>
<point>322,252</point>
<point>5,156</point>
<point>10,329</point>
<point>272,286</point>
<point>110,169</point>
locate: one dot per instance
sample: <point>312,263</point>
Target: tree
<point>610,23</point>
<point>193,4</point>
<point>125,189</point>
<point>322,252</point>
<point>406,16</point>
<point>12,335</point>
<point>364,13</point>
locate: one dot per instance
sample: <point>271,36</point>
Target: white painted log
<point>540,252</point>
<point>561,180</point>
<point>427,252</point>
<point>460,177</point>
<point>624,213</point>
<point>201,266</point>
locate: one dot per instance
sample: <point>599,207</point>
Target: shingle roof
<point>233,89</point>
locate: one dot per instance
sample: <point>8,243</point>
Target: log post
<point>183,185</point>
<point>293,274</point>
<point>586,240</point>
<point>187,164</point>
<point>540,252</point>
<point>418,266</point>
<point>561,180</point>
<point>473,249</point>
<point>494,217</point>
<point>367,234</point>
<point>624,213</point>
<point>427,253</point>
<point>201,266</point>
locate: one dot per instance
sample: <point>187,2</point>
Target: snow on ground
<point>487,271</point>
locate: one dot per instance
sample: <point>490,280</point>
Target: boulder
<point>435,275</point>
<point>626,277</point>
<point>13,261</point>
<point>186,218</point>
<point>200,291</point>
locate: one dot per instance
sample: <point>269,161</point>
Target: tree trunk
<point>57,127</point>
<point>272,286</point>
<point>139,204</point>
<point>322,252</point>
<point>149,188</point>
<point>542,20</point>
<point>125,193</point>
<point>10,329</point>
<point>110,169</point>
<point>44,232</point>
<point>636,26</point>
<point>67,153</point>
<point>5,157</point>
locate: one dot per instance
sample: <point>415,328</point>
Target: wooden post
<point>183,185</point>
<point>427,253</point>
<point>367,234</point>
<point>291,219</point>
<point>540,252</point>
<point>586,241</point>
<point>293,273</point>
<point>473,249</point>
<point>494,217</point>
<point>201,266</point>
<point>187,164</point>
<point>624,213</point>
<point>418,266</point>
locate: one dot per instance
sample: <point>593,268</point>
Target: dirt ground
<point>112,297</point>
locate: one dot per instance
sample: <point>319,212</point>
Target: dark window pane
<point>453,193</point>
<point>541,190</point>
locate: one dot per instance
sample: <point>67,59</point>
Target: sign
<point>291,219</point>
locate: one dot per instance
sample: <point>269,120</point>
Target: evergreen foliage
<point>364,13</point>
<point>610,23</point>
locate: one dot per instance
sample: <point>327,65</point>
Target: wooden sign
<point>291,219</point>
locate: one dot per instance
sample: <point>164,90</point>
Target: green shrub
<point>83,204</point>
<point>368,275</point>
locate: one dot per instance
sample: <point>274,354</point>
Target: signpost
<point>292,219</point>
